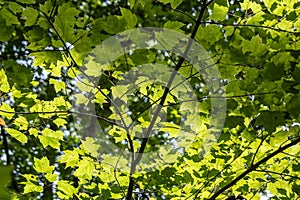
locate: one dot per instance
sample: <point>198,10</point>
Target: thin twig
<point>63,112</point>
<point>277,173</point>
<point>177,10</point>
<point>252,25</point>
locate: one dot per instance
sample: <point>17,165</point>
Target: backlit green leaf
<point>17,135</point>
<point>71,158</point>
<point>90,146</point>
<point>219,12</point>
<point>85,169</point>
<point>43,165</point>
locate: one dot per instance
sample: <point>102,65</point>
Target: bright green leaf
<point>51,177</point>
<point>21,122</point>
<point>219,12</point>
<point>66,189</point>
<point>90,146</point>
<point>85,169</point>
<point>17,135</point>
<point>31,187</point>
<point>43,165</point>
<point>71,158</point>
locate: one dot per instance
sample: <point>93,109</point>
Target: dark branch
<point>163,99</point>
<point>254,167</point>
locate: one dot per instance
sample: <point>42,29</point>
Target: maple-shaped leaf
<point>71,158</point>
<point>43,165</point>
<point>90,146</point>
<point>85,169</point>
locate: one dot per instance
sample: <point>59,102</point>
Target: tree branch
<point>277,173</point>
<point>253,25</point>
<point>220,172</point>
<point>63,112</point>
<point>254,167</point>
<point>163,99</point>
<point>176,10</point>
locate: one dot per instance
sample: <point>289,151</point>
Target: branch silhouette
<point>254,167</point>
<point>162,101</point>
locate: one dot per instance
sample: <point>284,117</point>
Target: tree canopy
<point>141,99</point>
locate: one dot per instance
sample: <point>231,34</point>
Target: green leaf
<point>65,21</point>
<point>21,122</point>
<point>9,17</point>
<point>172,129</point>
<point>174,3</point>
<point>45,106</point>
<point>249,135</point>
<point>5,174</point>
<point>31,187</point>
<point>114,24</point>
<point>18,74</point>
<point>90,146</point>
<point>85,169</point>
<point>30,177</point>
<point>234,121</point>
<point>118,134</point>
<point>66,189</point>
<point>71,158</point>
<point>131,3</point>
<point>278,138</point>
<point>30,15</point>
<point>28,1</point>
<point>293,106</point>
<point>99,97</point>
<point>4,85</point>
<point>17,135</point>
<point>130,18</point>
<point>174,25</point>
<point>93,69</point>
<point>5,31</point>
<point>269,3</point>
<point>255,46</point>
<point>33,131</point>
<point>219,12</point>
<point>46,7</point>
<point>81,99</point>
<point>43,165</point>
<point>37,38</point>
<point>61,103</point>
<point>215,34</point>
<point>142,56</point>
<point>270,120</point>
<point>60,122</point>
<point>255,7</point>
<point>51,177</point>
<point>51,138</point>
<point>58,85</point>
<point>15,8</point>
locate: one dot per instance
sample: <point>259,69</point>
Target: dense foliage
<point>190,100</point>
